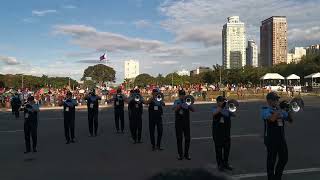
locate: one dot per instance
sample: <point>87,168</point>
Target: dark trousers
<point>69,128</point>
<point>275,149</point>
<point>183,130</point>
<point>119,116</point>
<point>222,142</point>
<point>15,111</point>
<point>153,122</point>
<point>30,131</point>
<point>93,122</point>
<point>136,127</point>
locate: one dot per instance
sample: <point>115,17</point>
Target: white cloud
<point>9,60</point>
<point>69,6</point>
<point>88,37</point>
<point>201,21</point>
<point>166,62</point>
<point>142,23</point>
<point>43,12</point>
<point>312,33</point>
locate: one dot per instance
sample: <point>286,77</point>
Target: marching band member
<point>69,109</point>
<point>15,105</point>
<point>221,126</point>
<point>155,119</point>
<point>274,136</point>
<point>93,111</point>
<point>31,110</point>
<point>136,109</point>
<point>118,100</point>
<point>182,125</point>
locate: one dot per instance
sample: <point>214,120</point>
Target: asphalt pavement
<point>113,156</point>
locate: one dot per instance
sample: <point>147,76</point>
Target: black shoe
<point>35,150</point>
<point>135,142</point>
<point>26,152</point>
<point>139,141</point>
<point>220,168</point>
<point>118,132</point>
<point>90,135</point>
<point>153,148</point>
<point>73,141</point>
<point>228,167</point>
<point>187,157</point>
<point>68,142</point>
<point>180,157</point>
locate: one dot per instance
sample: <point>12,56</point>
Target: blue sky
<point>51,37</point>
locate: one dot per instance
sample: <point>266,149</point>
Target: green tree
<point>143,80</point>
<point>99,73</point>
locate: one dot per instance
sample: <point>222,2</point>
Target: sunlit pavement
<point>114,156</point>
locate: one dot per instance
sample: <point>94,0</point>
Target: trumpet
<point>295,105</point>
<point>232,105</point>
<point>189,100</point>
<point>159,97</point>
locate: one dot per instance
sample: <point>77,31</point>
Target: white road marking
<point>233,136</point>
<point>11,131</point>
<point>172,122</point>
<point>294,171</point>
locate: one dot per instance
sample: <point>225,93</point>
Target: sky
<point>63,37</point>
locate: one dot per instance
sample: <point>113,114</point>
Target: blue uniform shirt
<point>225,112</point>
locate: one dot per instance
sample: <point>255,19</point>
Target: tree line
<point>246,75</point>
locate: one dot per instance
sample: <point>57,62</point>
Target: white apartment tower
<point>252,54</point>
<point>131,69</point>
<point>233,43</point>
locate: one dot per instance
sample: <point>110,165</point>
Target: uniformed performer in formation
<point>155,118</point>
<point>129,110</point>
<point>221,126</point>
<point>15,105</point>
<point>182,125</point>
<point>31,110</point>
<point>274,137</point>
<point>118,100</point>
<point>69,109</point>
<point>135,104</point>
<point>93,111</point>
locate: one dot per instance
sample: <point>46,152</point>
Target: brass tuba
<point>137,97</point>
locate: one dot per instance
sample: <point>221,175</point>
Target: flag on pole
<point>104,57</point>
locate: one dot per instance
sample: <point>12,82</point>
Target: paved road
<point>113,156</point>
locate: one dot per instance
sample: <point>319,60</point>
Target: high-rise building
<point>296,55</point>
<point>273,41</point>
<point>233,43</point>
<point>252,54</point>
<point>131,69</point>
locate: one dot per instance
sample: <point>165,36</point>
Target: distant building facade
<point>183,72</point>
<point>295,55</point>
<point>131,69</point>
<point>199,70</point>
<point>313,50</point>
<point>252,54</point>
<point>273,41</point>
<point>234,43</point>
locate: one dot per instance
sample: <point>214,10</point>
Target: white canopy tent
<point>315,79</point>
<point>293,83</point>
<point>273,82</point>
<point>272,76</point>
